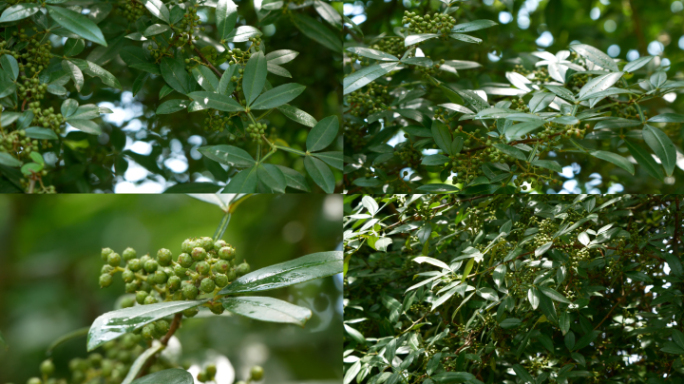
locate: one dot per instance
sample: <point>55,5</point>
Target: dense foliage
<point>425,112</point>
<point>161,291</point>
<point>64,64</point>
<point>513,289</point>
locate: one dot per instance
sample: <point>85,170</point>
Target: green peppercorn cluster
<point>203,266</point>
<point>436,23</point>
<point>255,130</point>
<point>371,99</point>
<point>216,121</point>
<point>132,10</point>
<point>392,44</point>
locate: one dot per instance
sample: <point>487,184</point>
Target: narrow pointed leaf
<point>662,146</point>
<point>615,159</point>
<point>280,95</point>
<point>216,101</point>
<point>320,173</point>
<point>267,309</point>
<point>226,16</point>
<point>77,23</point>
<point>322,134</point>
<point>254,77</point>
<point>168,376</point>
<point>229,155</point>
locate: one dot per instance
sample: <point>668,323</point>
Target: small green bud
<point>150,299</point>
<point>140,297</point>
<point>128,253</point>
<point>179,271</point>
<point>192,312</point>
<point>173,283</point>
<point>202,268</point>
<point>220,244</point>
<point>160,277</point>
<point>164,256</point>
<point>257,373</point>
<point>151,266</point>
<point>34,380</point>
<point>107,269</point>
<point>162,326</point>
<point>134,265</point>
<point>128,276</point>
<point>211,371</point>
<point>242,269</point>
<point>148,332</point>
<point>47,367</point>
<point>114,259</point>
<point>206,242</point>
<point>221,280</point>
<point>222,266</point>
<point>132,287</point>
<point>185,260</point>
<point>207,285</point>
<point>127,302</point>
<point>190,292</point>
<point>105,253</point>
<point>187,245</point>
<point>227,253</point>
<point>199,254</point>
<point>105,280</point>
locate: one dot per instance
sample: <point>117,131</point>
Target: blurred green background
<point>625,29</point>
<point>50,263</point>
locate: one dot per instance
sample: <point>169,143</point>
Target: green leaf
<point>615,159</point>
<point>678,337</point>
<point>599,84</point>
<point>522,129</point>
<point>617,123</point>
<point>322,134</point>
<point>171,106</point>
<point>564,322</point>
<point>272,176</point>
<point>456,145</point>
<point>419,38</point>
<point>561,92</point>
<point>41,133</point>
<point>667,118</point>
<point>10,65</point>
<point>442,136</point>
<point>465,38</point>
<point>297,115</point>
<point>674,263</point>
<point>367,75</point>
<point>267,309</point>
<point>372,53</point>
<point>295,179</point>
<point>662,146</point>
<point>244,182</point>
<point>107,78</point>
<point>135,58</point>
<point>673,349</point>
<point>9,160</point>
<point>638,63</point>
<point>229,155</point>
<point>511,151</point>
<point>522,373</point>
<point>174,73</point>
<point>77,23</point>
<point>596,56</point>
<point>226,16</point>
<point>158,9</point>
<point>155,29</point>
<point>586,339</point>
<point>320,173</point>
<point>453,377</point>
<point>645,160</point>
<point>69,336</point>
<point>332,158</point>
<point>540,101</point>
<point>317,31</point>
<point>18,12</point>
<point>510,322</point>
<point>139,363</point>
<point>435,160</point>
<point>254,77</point>
<point>117,323</point>
<point>196,187</point>
<point>86,126</point>
<point>553,294</point>
<point>548,164</point>
<point>328,13</point>
<point>533,297</point>
<point>474,25</point>
<point>569,340</point>
<point>168,376</point>
<point>302,269</point>
<point>242,33</point>
<point>216,101</point>
<point>280,95</point>
<point>437,188</point>
<point>74,72</point>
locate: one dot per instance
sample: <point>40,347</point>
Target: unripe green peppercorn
<point>256,373</point>
<point>148,332</point>
<point>164,256</point>
<point>160,277</point>
<point>105,280</point>
<point>140,297</point>
<point>145,286</point>
<point>242,269</point>
<point>132,287</point>
<point>202,377</point>
<point>179,271</point>
<point>192,312</point>
<point>162,326</point>
<point>150,299</point>
<point>227,253</point>
<point>34,380</point>
<point>211,371</point>
<point>220,244</point>
<point>217,308</point>
<point>203,268</point>
<point>207,285</point>
<point>185,260</point>
<point>221,280</point>
<point>151,266</point>
<point>190,292</point>
<point>222,266</point>
<point>128,253</point>
<point>173,283</point>
<point>105,253</point>
<point>114,259</point>
<point>128,276</point>
<point>199,254</point>
<point>206,242</point>
<point>231,275</point>
<point>187,245</point>
<point>47,367</point>
<point>127,302</point>
<point>134,265</point>
<point>107,269</point>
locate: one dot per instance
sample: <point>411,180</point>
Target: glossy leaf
<point>294,179</point>
<point>596,56</point>
<point>367,75</point>
<point>280,95</point>
<point>419,38</point>
<point>638,63</point>
<point>474,25</point>
<point>41,133</point>
<point>19,12</point>
<point>317,32</point>
<point>174,73</point>
<point>10,65</point>
<point>645,160</point>
<point>320,173</point>
<point>533,297</point>
<point>226,16</point>
<point>158,9</point>
<point>117,323</point>
<point>305,268</point>
<point>9,160</point>
<point>540,101</point>
<point>168,376</point>
<point>615,159</point>
<point>229,155</point>
<point>267,309</point>
<point>216,101</point>
<point>667,118</point>
<point>548,164</point>
<point>332,158</point>
<point>322,134</point>
<point>77,23</point>
<point>599,84</point>
<point>272,176</point>
<point>328,13</point>
<point>453,377</point>
<point>662,146</point>
<point>511,151</point>
<point>372,53</point>
<point>254,77</point>
<point>107,78</point>
<point>553,294</point>
<point>442,136</point>
<point>244,181</point>
<point>171,106</point>
<point>75,72</point>
<point>135,58</point>
<point>297,115</point>
<point>139,363</point>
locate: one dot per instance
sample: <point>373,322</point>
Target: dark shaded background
<point>50,263</point>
